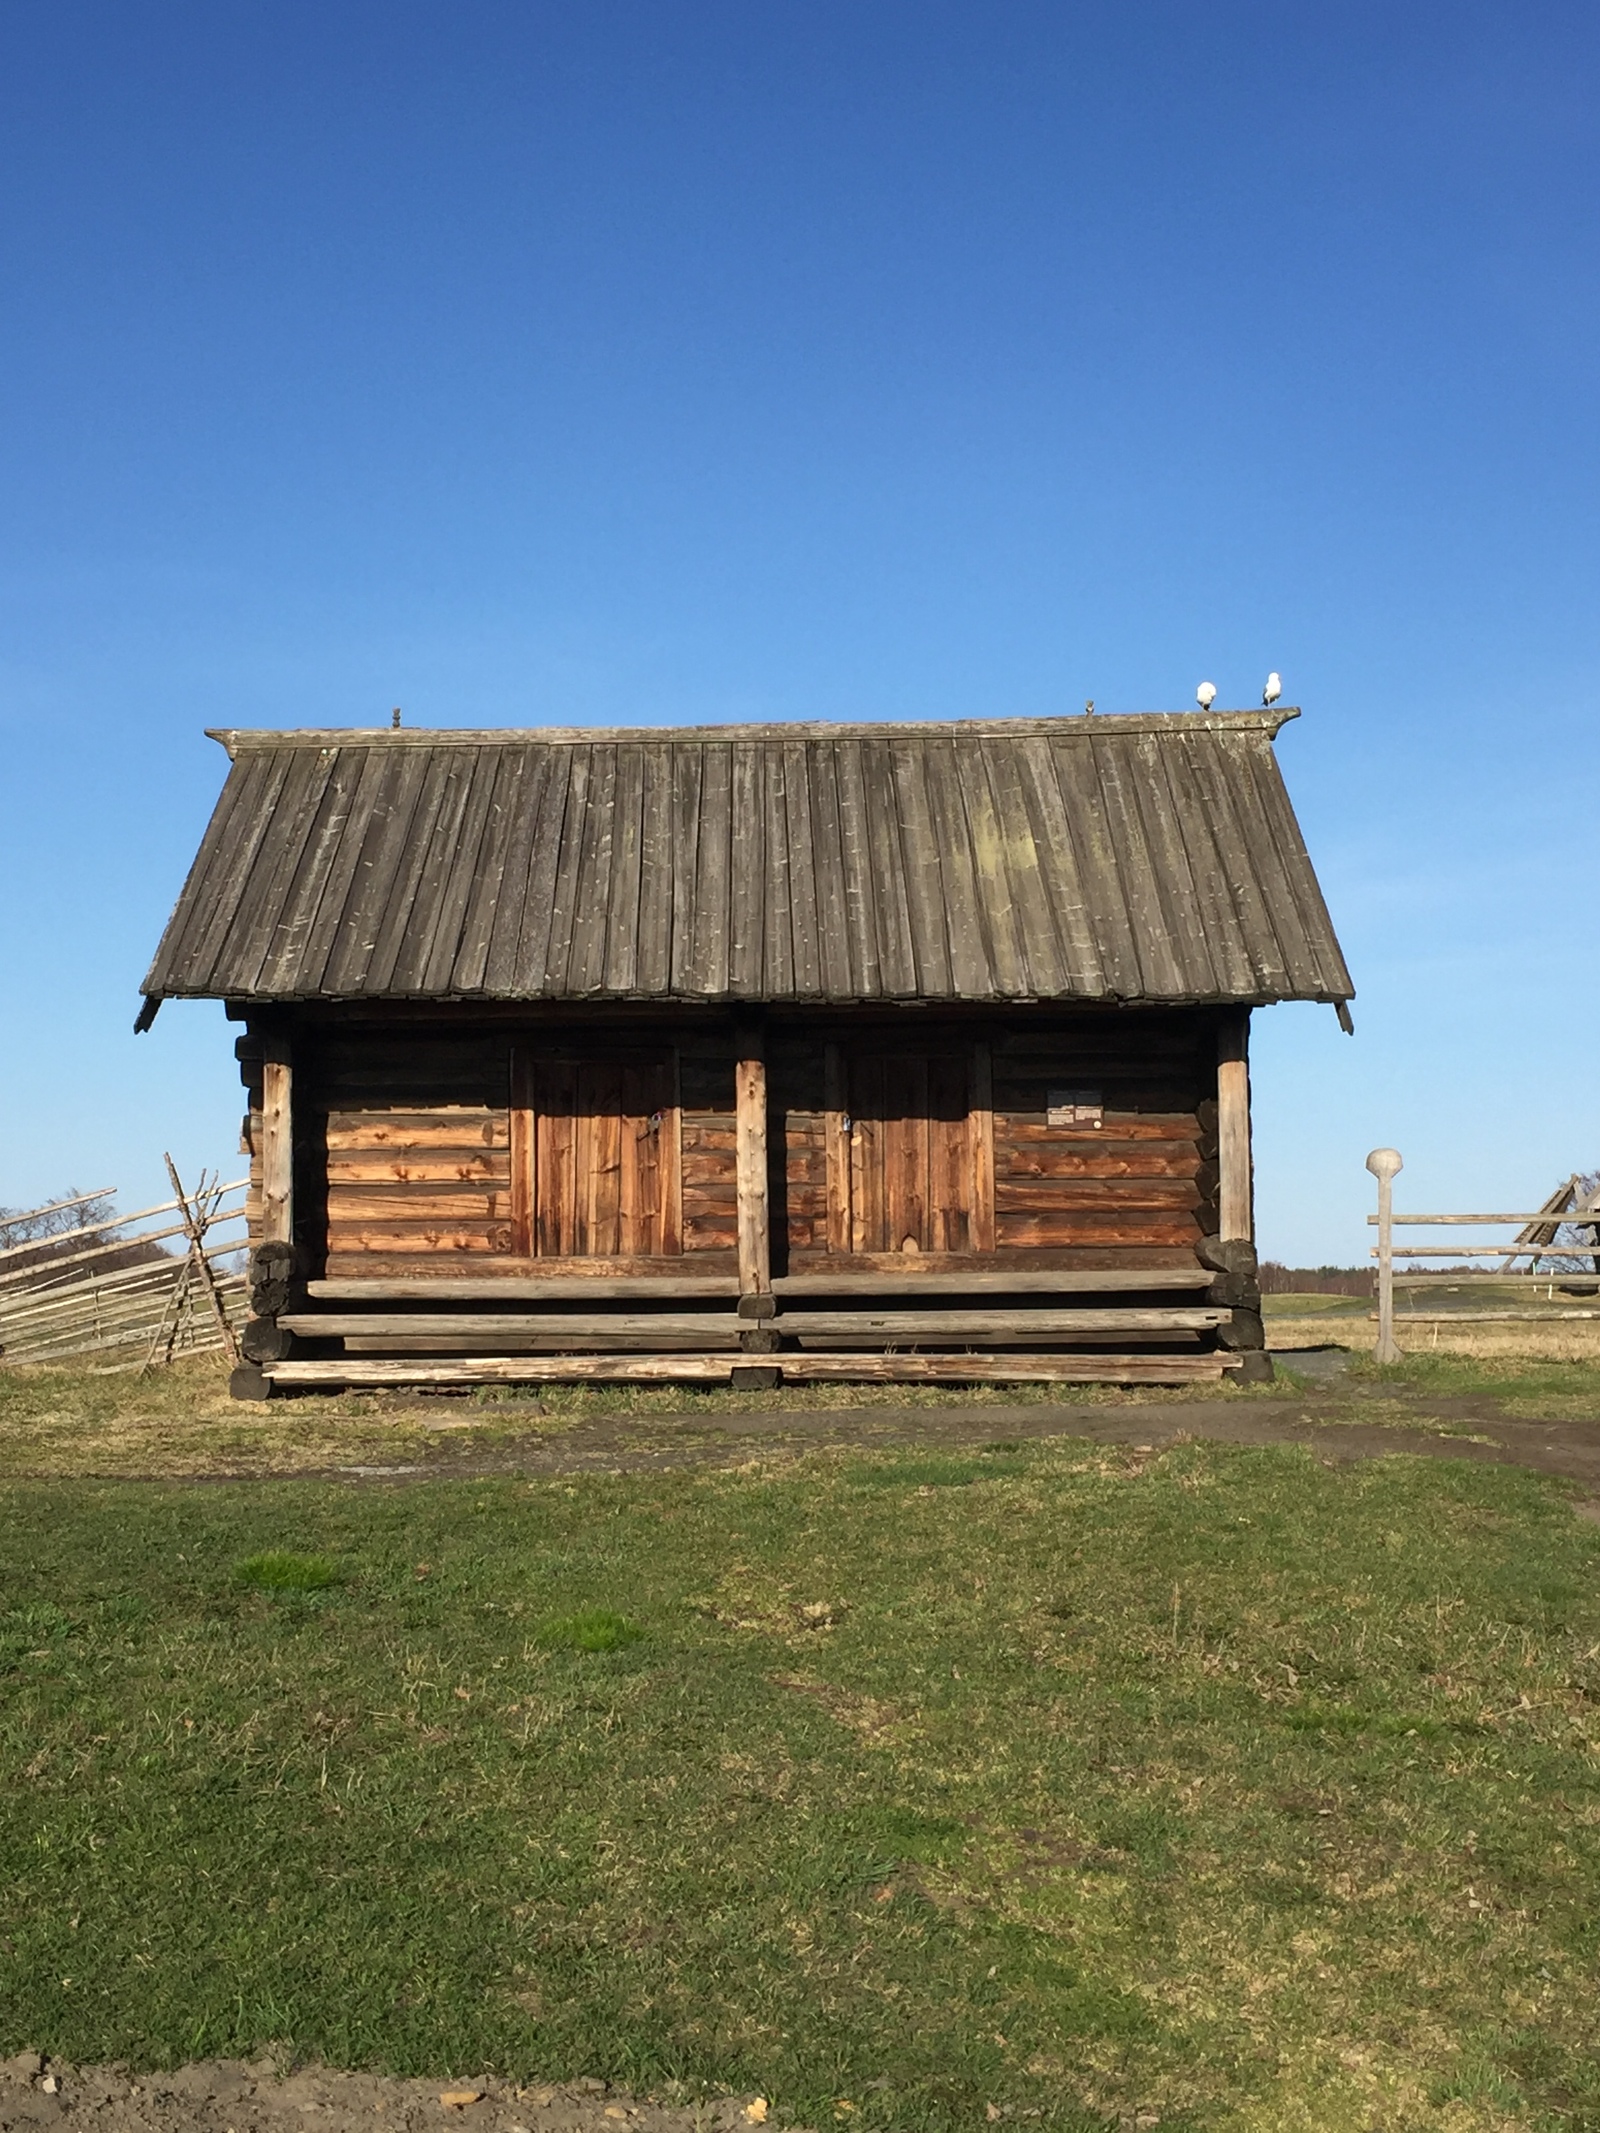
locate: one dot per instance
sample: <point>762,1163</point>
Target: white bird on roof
<point>1273,689</point>
<point>1206,695</point>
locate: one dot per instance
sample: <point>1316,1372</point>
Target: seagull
<point>1206,695</point>
<point>1273,689</point>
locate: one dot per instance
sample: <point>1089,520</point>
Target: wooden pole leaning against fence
<point>1386,1165</point>
<point>197,1271</point>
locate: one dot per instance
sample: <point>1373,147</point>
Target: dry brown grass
<point>1572,1341</point>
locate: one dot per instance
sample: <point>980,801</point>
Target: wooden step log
<point>487,1327</point>
<point>1019,1281</point>
<point>996,1325</point>
<point>798,1369</point>
<point>538,1288</point>
<point>713,1326</point>
<point>509,1344</point>
<point>1059,1368</point>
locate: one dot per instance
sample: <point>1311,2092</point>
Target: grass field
<point>1214,1788</point>
<point>1348,1322</point>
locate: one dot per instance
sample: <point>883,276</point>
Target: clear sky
<point>656,360</point>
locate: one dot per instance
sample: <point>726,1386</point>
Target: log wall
<point>403,1139</point>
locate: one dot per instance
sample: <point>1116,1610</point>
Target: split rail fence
<point>106,1285</point>
<point>1536,1258</point>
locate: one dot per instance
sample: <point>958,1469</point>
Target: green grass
<point>1522,1386</point>
<point>593,1629</point>
<point>1219,1787</point>
<point>281,1570</point>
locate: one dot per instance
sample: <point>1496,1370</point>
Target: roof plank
<point>1145,859</point>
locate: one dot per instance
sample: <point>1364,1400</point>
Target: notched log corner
<point>1254,1367</point>
<point>1242,1330</point>
<point>263,1340</point>
<point>272,1279</point>
<point>1228,1255</point>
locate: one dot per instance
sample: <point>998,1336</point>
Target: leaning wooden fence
<point>1551,1264</point>
<point>111,1287</point>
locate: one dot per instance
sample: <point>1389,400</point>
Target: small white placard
<point>1075,1107</point>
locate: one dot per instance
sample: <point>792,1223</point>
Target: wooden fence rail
<point>1537,1240</point>
<point>105,1287</point>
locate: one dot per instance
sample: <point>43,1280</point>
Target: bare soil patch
<point>236,2096</point>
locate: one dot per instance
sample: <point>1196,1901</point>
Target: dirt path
<point>230,2096</point>
<point>1336,1419</point>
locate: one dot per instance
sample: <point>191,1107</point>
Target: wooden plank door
<point>595,1157</point>
<point>910,1151</point>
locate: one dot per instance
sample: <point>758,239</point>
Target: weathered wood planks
<point>866,1369</point>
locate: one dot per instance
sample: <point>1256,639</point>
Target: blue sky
<point>641,362</point>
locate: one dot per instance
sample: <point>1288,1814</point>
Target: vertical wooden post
<point>1236,1182</point>
<point>836,1135</point>
<point>1385,1165</point>
<point>980,1134</point>
<point>277,1142</point>
<point>750,1160</point>
<point>522,1137</point>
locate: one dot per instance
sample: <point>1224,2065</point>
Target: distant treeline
<point>1280,1280</point>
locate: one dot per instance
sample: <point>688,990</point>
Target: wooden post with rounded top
<point>1235,1178</point>
<point>1386,1165</point>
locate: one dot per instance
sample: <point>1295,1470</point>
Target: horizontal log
<point>999,1325</point>
<point>706,1196</point>
<point>415,1238</point>
<point>1020,1281</point>
<point>397,1088</point>
<point>1153,1095</point>
<point>465,1126</point>
<point>1103,1159</point>
<point>1008,1369</point>
<point>421,1166</point>
<point>500,1369</point>
<point>707,1136</point>
<point>863,1369</point>
<point>587,1288</point>
<point>489,1325</point>
<point>419,1203</point>
<point>515,1344</point>
<point>1015,1232</point>
<point>1068,1197</point>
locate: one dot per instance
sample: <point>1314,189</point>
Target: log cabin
<point>752,1054</point>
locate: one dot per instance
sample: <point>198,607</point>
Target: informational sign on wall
<point>1076,1107</point>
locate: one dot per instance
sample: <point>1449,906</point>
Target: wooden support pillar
<point>750,1160</point>
<point>277,1143</point>
<point>1235,1182</point>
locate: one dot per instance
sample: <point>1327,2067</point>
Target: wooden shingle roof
<point>1145,858</point>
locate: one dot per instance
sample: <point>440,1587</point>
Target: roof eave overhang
<point>238,740</point>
